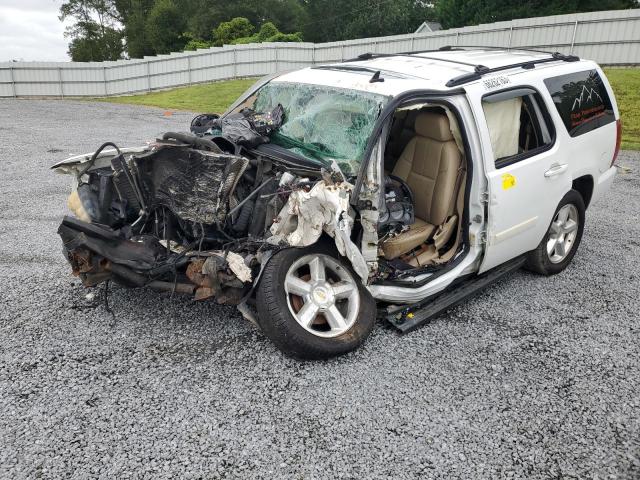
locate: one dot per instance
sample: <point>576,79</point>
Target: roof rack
<point>354,68</point>
<point>481,70</point>
<point>449,48</point>
<point>478,70</point>
<point>345,67</point>
<point>369,56</point>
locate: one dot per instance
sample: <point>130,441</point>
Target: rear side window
<point>518,123</point>
<point>582,101</point>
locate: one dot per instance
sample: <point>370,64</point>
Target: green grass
<point>205,98</point>
<point>626,85</point>
<point>216,97</point>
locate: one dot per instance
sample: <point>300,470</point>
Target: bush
<point>234,29</point>
<point>267,30</point>
<point>196,43</point>
<point>240,31</point>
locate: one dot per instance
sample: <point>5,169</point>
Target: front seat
<point>430,165</point>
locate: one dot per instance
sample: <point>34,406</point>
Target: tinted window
<point>582,101</point>
<point>518,125</point>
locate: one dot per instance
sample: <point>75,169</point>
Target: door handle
<point>556,170</point>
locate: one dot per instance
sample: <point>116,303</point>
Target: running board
<point>409,318</point>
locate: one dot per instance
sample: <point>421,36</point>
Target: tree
<point>203,16</point>
<point>165,27</point>
<point>102,12</point>
<point>94,36</point>
<point>149,27</point>
<point>92,43</point>
<point>268,33</point>
<point>195,43</point>
<point>460,13</point>
<point>330,20</point>
<point>228,32</point>
<point>134,14</point>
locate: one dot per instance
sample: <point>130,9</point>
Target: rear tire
<point>312,305</point>
<point>560,243</point>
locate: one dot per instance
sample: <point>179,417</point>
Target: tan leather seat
<point>429,164</point>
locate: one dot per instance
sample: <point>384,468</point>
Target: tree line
<point>115,29</point>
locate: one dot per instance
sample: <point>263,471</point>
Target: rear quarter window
<point>582,101</point>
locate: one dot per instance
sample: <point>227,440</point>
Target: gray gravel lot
<point>535,378</point>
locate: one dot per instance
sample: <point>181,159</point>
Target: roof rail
<point>481,70</point>
<point>478,70</point>
<point>370,55</point>
<point>354,68</point>
<point>449,48</point>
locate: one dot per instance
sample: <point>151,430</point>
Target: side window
<point>582,101</point>
<point>518,124</point>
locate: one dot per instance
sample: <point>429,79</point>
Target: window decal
<point>581,100</point>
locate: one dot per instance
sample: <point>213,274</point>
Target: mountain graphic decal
<point>589,92</point>
<point>582,100</point>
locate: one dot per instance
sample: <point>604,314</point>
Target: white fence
<point>610,38</point>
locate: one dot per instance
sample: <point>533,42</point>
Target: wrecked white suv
<point>391,185</point>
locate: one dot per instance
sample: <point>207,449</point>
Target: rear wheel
<point>312,305</point>
<point>559,245</point>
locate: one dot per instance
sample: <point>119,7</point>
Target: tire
<point>546,259</point>
<point>325,335</point>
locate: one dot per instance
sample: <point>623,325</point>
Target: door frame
<point>382,127</point>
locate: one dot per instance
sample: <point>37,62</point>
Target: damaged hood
<point>71,164</point>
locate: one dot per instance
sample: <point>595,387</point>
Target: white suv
<point>412,180</point>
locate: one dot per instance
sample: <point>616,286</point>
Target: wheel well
<point>584,186</point>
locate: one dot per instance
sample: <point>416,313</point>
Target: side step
<point>409,318</point>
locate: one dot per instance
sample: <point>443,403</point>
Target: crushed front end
<point>163,217</point>
<point>183,215</point>
<point>203,213</point>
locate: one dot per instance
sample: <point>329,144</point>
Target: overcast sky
<point>30,30</point>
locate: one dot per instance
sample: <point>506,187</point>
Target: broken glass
<point>323,123</point>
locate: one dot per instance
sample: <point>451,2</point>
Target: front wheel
<point>559,245</point>
<point>312,305</point>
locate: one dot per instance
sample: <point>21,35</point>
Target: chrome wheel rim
<point>562,233</point>
<point>322,295</point>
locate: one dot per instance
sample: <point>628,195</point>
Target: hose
<point>242,222</point>
<point>198,142</point>
<point>95,156</point>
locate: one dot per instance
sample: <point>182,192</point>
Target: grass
<point>205,98</point>
<point>626,85</point>
<point>216,97</point>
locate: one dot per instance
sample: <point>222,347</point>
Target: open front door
<point>526,176</point>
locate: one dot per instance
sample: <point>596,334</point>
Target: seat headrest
<point>433,125</point>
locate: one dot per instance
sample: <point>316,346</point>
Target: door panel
<point>528,180</point>
<point>522,200</point>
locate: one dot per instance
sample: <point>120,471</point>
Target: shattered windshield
<point>322,123</point>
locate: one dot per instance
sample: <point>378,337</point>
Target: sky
<point>30,31</point>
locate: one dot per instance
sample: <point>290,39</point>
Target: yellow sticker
<point>508,181</point>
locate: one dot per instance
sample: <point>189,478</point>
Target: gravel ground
<point>535,378</point>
